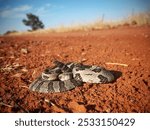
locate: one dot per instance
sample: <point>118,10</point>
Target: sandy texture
<point>23,58</point>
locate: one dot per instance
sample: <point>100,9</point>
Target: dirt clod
<point>76,107</point>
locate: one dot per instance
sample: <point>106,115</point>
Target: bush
<point>10,32</point>
<point>33,21</point>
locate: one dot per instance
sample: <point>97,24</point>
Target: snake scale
<point>63,77</point>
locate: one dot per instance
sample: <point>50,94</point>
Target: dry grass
<point>138,19</point>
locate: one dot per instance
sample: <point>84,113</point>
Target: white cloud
<point>47,9</point>
<point>20,11</point>
<point>22,8</point>
<point>14,12</point>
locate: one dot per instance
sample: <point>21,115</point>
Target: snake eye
<point>44,77</point>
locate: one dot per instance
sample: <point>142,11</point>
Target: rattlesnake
<point>63,77</point>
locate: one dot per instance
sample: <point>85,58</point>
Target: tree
<point>33,21</point>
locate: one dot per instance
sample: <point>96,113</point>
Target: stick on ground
<point>120,64</point>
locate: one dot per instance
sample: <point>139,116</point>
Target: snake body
<point>63,77</point>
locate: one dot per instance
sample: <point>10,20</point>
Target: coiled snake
<point>63,77</point>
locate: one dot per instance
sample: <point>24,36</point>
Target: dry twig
<point>120,64</point>
<point>4,104</point>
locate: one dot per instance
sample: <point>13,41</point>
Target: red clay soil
<point>24,57</point>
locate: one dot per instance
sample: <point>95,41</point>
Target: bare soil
<point>24,57</point>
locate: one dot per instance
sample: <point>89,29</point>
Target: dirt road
<point>24,57</point>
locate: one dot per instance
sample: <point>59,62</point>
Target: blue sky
<point>54,13</point>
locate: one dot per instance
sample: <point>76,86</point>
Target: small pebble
<point>24,50</point>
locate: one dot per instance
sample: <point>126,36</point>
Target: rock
<point>83,53</point>
<point>76,107</point>
<point>24,50</point>
<point>24,70</point>
<point>83,60</point>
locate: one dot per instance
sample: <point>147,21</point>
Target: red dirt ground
<point>24,57</point>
